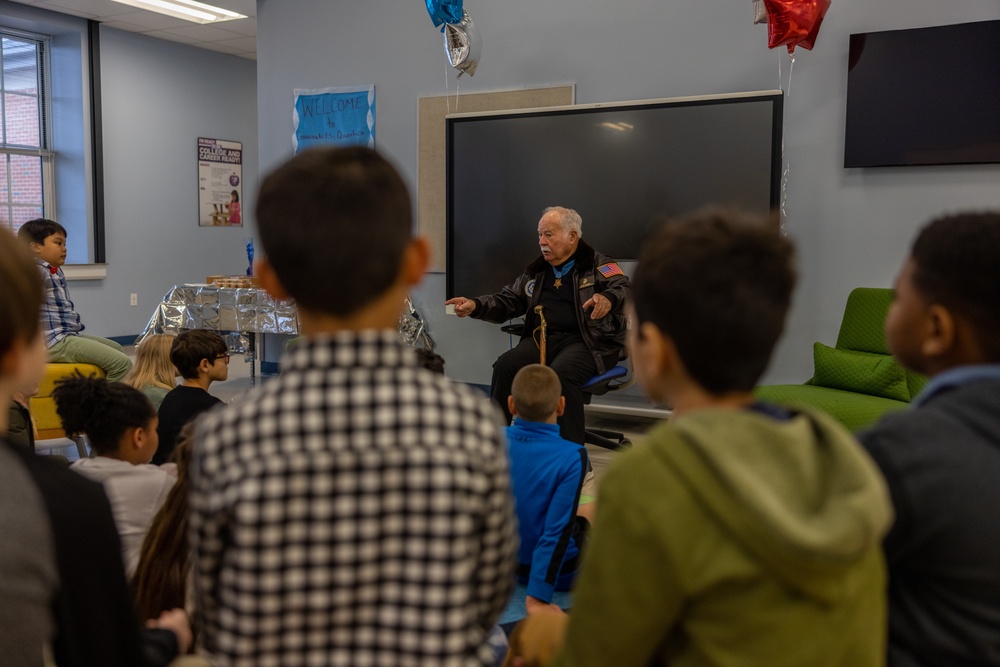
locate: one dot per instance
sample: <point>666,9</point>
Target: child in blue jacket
<point>547,473</point>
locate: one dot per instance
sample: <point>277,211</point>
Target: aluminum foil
<point>235,312</point>
<point>412,328</point>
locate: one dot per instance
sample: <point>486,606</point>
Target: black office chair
<point>614,379</point>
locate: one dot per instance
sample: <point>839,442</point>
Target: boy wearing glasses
<point>201,358</point>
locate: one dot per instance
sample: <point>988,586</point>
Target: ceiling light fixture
<point>188,10</point>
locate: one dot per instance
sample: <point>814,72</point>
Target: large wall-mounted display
<point>622,166</point>
<point>924,96</point>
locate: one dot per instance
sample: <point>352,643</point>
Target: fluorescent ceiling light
<point>189,10</point>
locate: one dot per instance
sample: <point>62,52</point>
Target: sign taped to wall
<point>334,116</point>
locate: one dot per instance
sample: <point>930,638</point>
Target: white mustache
<point>544,248</point>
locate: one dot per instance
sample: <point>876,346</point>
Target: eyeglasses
<point>222,356</point>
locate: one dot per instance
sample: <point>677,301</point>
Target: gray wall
<point>852,226</point>
<point>158,98</point>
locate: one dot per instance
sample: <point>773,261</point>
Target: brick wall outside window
<point>21,186</point>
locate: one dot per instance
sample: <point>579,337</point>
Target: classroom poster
<point>220,183</point>
<point>334,116</point>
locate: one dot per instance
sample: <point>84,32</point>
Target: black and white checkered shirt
<point>355,511</point>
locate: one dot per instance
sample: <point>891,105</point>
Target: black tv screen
<point>924,96</point>
<point>621,166</point>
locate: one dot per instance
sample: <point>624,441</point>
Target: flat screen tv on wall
<point>622,166</point>
<point>924,96</point>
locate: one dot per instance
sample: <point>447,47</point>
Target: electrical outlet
<point>133,300</point>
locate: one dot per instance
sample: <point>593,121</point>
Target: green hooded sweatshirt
<point>731,538</point>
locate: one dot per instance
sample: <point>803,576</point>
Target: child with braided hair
<point>120,423</point>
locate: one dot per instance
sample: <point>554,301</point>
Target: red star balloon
<point>794,22</point>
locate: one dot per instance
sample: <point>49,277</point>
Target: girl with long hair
<point>163,577</point>
<point>153,373</point>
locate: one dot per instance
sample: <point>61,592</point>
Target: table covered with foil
<point>235,312</point>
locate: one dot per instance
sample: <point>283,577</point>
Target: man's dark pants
<point>569,357</point>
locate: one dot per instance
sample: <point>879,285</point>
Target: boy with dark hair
<point>61,322</point>
<point>941,457</point>
<point>63,586</point>
<point>357,509</point>
<point>739,534</point>
<point>547,473</point>
<point>201,357</point>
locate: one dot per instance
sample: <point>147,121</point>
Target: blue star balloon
<point>444,11</point>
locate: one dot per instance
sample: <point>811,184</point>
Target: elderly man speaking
<point>582,296</point>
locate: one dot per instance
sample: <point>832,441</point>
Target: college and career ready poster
<point>342,116</point>
<point>220,183</point>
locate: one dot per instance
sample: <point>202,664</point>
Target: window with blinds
<point>26,161</point>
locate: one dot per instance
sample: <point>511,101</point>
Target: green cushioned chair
<point>858,380</point>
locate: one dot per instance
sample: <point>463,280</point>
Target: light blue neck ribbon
<point>564,269</point>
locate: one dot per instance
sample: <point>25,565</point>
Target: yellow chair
<point>43,406</point>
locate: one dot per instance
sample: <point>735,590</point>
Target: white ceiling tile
<point>52,7</point>
<point>122,25</point>
<point>162,34</point>
<point>202,33</point>
<point>245,27</point>
<point>241,44</point>
<point>99,8</point>
<point>152,20</point>
<point>252,55</point>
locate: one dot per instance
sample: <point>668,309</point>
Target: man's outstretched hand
<point>463,307</point>
<point>600,304</point>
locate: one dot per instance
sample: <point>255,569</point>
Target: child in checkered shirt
<point>60,321</point>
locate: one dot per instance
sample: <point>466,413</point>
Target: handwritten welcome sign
<point>338,116</point>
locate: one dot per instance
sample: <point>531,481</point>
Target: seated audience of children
<point>547,473</point>
<point>201,358</point>
<point>941,458</point>
<point>739,533</point>
<point>65,598</point>
<point>120,424</point>
<point>60,321</point>
<point>153,373</point>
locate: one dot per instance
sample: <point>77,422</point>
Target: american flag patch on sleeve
<point>611,269</point>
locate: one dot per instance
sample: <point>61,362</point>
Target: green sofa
<point>857,381</point>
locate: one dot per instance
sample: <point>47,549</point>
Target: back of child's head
<point>190,347</point>
<point>430,360</point>
<point>956,263</point>
<point>152,363</point>
<point>334,224</point>
<point>719,284</point>
<point>536,391</point>
<point>104,410</point>
<point>39,229</point>
<point>21,293</point>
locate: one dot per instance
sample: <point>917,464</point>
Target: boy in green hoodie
<point>738,533</point>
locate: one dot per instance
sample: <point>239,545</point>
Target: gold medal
<point>558,283</point>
